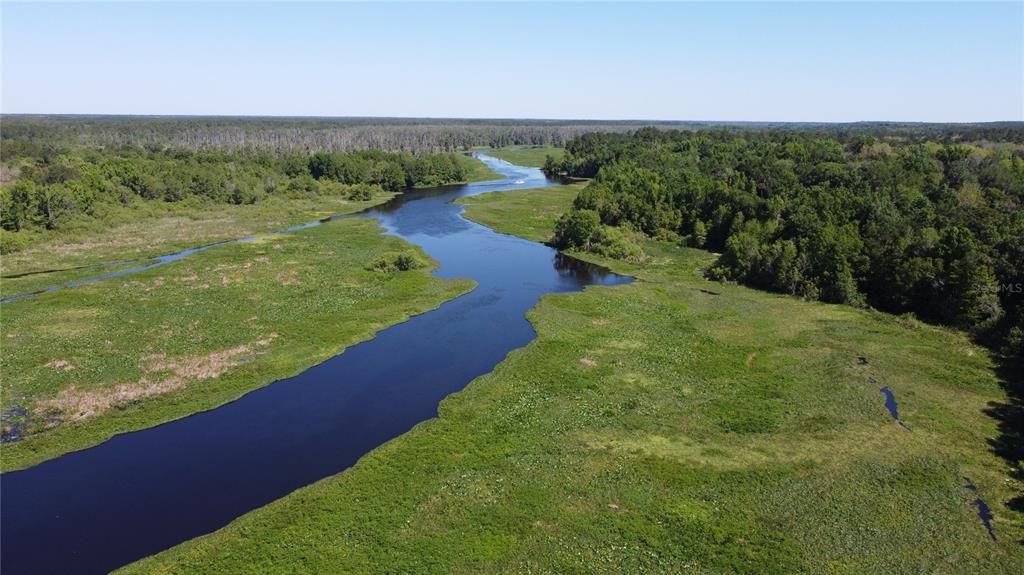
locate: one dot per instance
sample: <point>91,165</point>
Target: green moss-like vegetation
<point>534,156</point>
<point>128,353</point>
<point>672,425</point>
<point>531,214</point>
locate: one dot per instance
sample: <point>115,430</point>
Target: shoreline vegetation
<point>143,232</point>
<point>672,421</point>
<point>530,156</point>
<point>209,328</point>
<point>474,170</point>
<point>53,191</point>
<point>203,331</point>
<point>139,231</point>
<point>903,225</point>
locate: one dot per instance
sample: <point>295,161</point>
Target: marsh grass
<point>129,353</point>
<point>476,171</point>
<point>147,229</point>
<point>527,155</point>
<point>671,425</point>
<point>530,215</point>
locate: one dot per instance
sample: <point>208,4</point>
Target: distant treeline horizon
<point>290,134</point>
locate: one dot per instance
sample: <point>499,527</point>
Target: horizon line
<point>504,119</point>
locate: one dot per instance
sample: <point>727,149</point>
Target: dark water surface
<point>984,511</point>
<point>139,493</point>
<point>891,405</point>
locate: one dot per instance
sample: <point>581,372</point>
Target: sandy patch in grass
<point>60,364</point>
<point>161,376</point>
<point>289,278</point>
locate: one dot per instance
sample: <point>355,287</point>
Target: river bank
<point>144,230</point>
<point>673,424</point>
<point>83,364</point>
<point>184,474</point>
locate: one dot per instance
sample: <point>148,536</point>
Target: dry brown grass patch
<point>161,376</point>
<point>289,278</point>
<point>61,364</point>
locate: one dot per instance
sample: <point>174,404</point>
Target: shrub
<point>11,242</point>
<point>393,261</point>
<point>616,244</point>
<point>361,192</point>
<point>576,229</point>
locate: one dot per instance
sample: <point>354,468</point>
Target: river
<point>142,492</point>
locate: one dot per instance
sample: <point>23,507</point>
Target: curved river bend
<point>139,493</point>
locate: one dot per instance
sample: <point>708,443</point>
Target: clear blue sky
<point>765,61</point>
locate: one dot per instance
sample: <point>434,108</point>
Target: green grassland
<point>129,353</point>
<point>477,171</point>
<point>527,155</point>
<point>147,229</point>
<point>530,214</point>
<point>672,425</point>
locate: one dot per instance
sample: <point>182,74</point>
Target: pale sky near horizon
<point>949,61</point>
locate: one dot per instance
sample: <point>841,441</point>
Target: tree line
<point>291,135</point>
<point>54,185</point>
<point>935,228</point>
<point>417,135</point>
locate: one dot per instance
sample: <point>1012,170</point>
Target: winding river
<point>139,493</point>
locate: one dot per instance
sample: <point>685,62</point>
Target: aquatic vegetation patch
<point>395,262</point>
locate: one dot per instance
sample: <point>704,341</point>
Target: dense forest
<point>933,228</point>
<point>417,135</point>
<point>287,135</point>
<point>49,185</point>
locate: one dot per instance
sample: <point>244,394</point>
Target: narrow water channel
<point>143,492</point>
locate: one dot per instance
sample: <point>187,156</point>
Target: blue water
<point>890,404</point>
<point>984,512</point>
<point>143,492</point>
